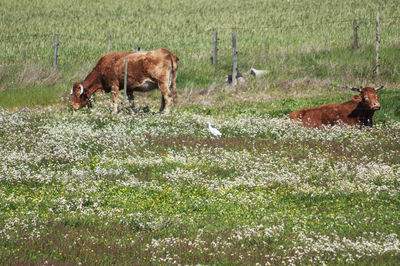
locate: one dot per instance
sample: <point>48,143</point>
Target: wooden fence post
<point>355,37</point>
<point>234,59</point>
<point>55,51</point>
<point>126,78</point>
<point>109,42</point>
<point>215,48</point>
<point>377,45</point>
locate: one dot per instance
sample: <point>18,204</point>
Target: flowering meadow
<point>90,187</point>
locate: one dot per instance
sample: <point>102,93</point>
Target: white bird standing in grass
<point>213,131</point>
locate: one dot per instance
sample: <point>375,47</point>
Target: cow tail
<point>172,63</point>
<point>172,76</point>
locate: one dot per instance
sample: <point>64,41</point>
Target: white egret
<point>213,130</point>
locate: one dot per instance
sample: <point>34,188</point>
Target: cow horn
<point>378,88</point>
<point>80,85</point>
<point>72,90</point>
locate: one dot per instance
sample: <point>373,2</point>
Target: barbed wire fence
<point>53,48</point>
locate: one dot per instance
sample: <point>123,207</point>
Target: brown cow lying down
<point>358,111</point>
<point>146,71</point>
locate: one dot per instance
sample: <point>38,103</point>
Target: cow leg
<point>131,100</point>
<point>89,104</point>
<point>162,103</point>
<point>166,98</point>
<point>115,94</point>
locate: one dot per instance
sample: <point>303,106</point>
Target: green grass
<point>29,97</point>
<point>295,40</point>
<point>92,187</point>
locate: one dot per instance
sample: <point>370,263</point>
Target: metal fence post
<point>215,48</point>
<point>234,59</point>
<point>377,45</point>
<point>55,51</point>
<point>355,37</point>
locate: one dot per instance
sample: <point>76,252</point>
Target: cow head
<point>79,96</point>
<point>369,97</point>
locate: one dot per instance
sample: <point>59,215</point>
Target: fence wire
<point>196,46</point>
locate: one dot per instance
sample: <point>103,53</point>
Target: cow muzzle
<point>376,106</point>
<point>75,106</point>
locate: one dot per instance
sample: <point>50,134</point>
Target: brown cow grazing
<point>358,111</point>
<point>146,71</point>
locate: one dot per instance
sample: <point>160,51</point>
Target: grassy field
<point>302,43</point>
<point>89,187</point>
<point>95,188</point>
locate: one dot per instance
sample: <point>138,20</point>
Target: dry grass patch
<point>36,74</point>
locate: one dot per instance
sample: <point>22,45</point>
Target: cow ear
<point>357,98</point>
